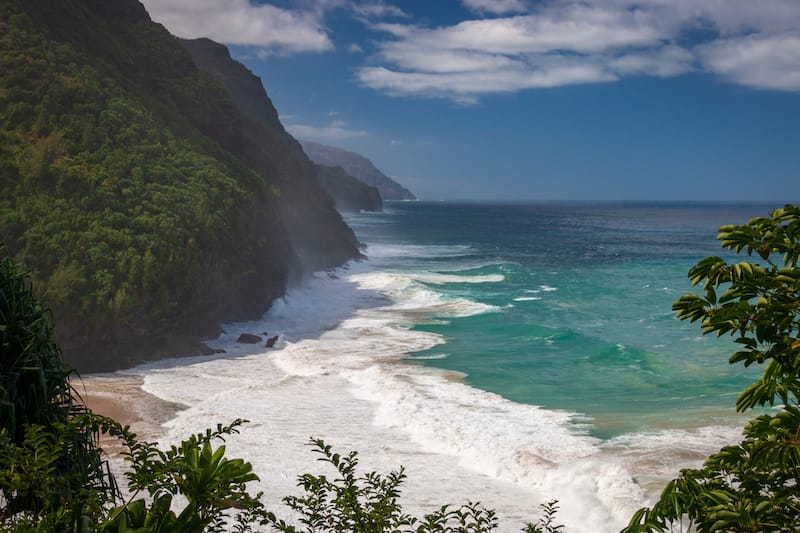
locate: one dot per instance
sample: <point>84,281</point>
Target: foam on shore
<point>339,372</point>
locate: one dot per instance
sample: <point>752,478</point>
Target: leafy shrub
<point>49,459</point>
<point>368,503</point>
<point>755,485</point>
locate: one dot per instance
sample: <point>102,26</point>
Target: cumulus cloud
<point>497,7</point>
<point>375,10</point>
<point>241,22</point>
<point>663,62</point>
<point>769,61</point>
<point>563,42</point>
<point>335,130</point>
<point>513,45</point>
<point>463,87</point>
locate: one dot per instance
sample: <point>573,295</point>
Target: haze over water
<point>507,354</point>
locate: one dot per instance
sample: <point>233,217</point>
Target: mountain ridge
<point>356,165</point>
<point>248,93</point>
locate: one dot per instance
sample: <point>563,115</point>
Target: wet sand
<point>120,396</point>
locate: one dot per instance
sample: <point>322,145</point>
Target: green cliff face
<point>304,207</point>
<point>247,92</point>
<point>148,204</point>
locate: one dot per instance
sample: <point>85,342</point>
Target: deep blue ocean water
<point>581,298</point>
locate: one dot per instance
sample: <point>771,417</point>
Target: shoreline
<point>120,396</point>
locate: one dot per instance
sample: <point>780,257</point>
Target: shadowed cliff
<point>249,95</point>
<point>151,200</point>
<point>358,166</point>
<point>349,193</point>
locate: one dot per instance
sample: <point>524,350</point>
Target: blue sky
<point>669,100</point>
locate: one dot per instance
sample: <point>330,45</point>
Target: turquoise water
<point>508,354</point>
<point>580,297</point>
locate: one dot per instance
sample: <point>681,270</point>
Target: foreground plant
<point>755,485</point>
<point>213,486</point>
<point>368,503</point>
<point>52,474</point>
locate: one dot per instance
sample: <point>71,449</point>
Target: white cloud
<point>562,42</point>
<point>664,62</point>
<point>768,61</point>
<point>512,45</point>
<point>464,87</point>
<point>335,130</point>
<point>497,7</point>
<point>240,22</point>
<point>375,10</point>
<point>412,57</point>
<point>577,28</point>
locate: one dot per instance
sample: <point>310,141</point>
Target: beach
<point>488,374</point>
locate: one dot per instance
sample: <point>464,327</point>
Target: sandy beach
<point>120,396</point>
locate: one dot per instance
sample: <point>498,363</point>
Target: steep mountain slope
<point>358,166</point>
<point>349,193</point>
<point>248,94</point>
<point>149,205</point>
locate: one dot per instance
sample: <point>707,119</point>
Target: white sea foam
<point>431,357</point>
<point>394,251</point>
<point>657,455</point>
<point>527,298</point>
<point>338,373</point>
<point>439,278</point>
<point>417,299</point>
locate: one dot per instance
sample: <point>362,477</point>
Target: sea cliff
<point>152,197</point>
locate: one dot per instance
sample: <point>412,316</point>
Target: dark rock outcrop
<point>249,338</point>
<point>358,166</point>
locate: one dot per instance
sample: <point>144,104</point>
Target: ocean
<point>502,353</point>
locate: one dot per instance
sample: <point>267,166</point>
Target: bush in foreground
<point>754,485</point>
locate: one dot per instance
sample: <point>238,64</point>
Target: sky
<point>549,100</point>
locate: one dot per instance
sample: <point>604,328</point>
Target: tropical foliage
<point>755,485</point>
<point>368,503</point>
<point>213,488</point>
<point>50,467</point>
<point>108,191</point>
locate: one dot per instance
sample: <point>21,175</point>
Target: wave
<point>418,300</point>
<point>417,251</point>
<point>431,357</point>
<point>437,278</point>
<point>338,373</point>
<point>525,445</point>
<point>656,456</point>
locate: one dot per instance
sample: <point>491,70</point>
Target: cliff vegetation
<point>149,205</point>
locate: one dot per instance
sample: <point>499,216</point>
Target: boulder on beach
<point>248,338</point>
